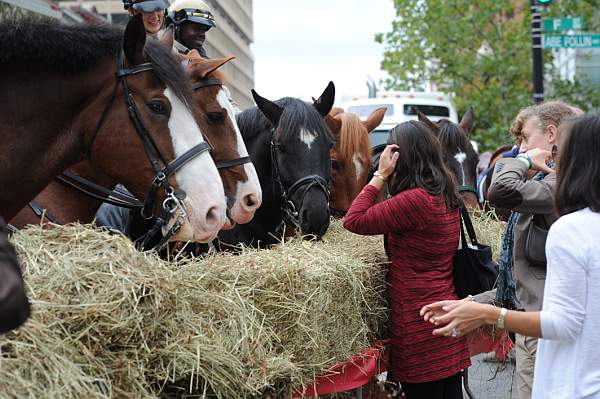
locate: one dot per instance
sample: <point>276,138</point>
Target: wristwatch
<point>377,174</point>
<point>500,321</point>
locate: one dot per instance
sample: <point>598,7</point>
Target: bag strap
<point>470,229</point>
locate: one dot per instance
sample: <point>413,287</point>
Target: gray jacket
<point>511,189</point>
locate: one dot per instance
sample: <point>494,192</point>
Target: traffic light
<point>544,2</point>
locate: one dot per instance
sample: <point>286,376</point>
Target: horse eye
<point>335,165</point>
<point>215,117</point>
<point>157,107</point>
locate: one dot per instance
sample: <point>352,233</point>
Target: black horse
<point>289,144</point>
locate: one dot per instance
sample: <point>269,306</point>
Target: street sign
<point>558,24</point>
<point>588,40</point>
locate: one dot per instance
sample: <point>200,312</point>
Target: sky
<point>300,45</point>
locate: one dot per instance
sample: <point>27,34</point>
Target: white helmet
<point>190,10</point>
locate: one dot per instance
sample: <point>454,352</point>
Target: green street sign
<point>588,40</point>
<point>558,24</point>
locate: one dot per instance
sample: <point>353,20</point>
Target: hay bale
<point>110,321</point>
<point>113,322</point>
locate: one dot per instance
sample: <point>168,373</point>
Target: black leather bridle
<point>302,185</point>
<point>230,163</point>
<point>162,168</point>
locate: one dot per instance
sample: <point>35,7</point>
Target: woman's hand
<point>387,160</point>
<point>459,318</point>
<point>539,158</point>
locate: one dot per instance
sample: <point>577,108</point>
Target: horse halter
<point>173,200</point>
<point>302,185</point>
<point>230,163</point>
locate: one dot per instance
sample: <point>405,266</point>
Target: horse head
<point>351,157</point>
<point>150,106</point>
<point>218,123</point>
<point>458,152</point>
<point>300,156</point>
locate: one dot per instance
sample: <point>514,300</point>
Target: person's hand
<point>387,160</point>
<point>457,318</point>
<point>539,158</point>
<point>435,309</point>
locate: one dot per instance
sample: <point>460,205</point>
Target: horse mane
<point>353,136</point>
<point>70,49</point>
<point>452,135</point>
<point>296,113</point>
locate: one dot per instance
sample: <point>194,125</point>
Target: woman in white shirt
<point>567,364</point>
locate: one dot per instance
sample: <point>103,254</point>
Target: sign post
<point>536,47</point>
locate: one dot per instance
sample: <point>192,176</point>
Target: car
<point>401,107</point>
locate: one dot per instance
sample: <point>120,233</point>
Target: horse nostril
<point>212,216</point>
<point>250,201</point>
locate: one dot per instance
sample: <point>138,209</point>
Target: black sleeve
<point>14,305</point>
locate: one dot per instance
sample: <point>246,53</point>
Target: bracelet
<point>525,159</point>
<point>500,321</point>
<point>470,298</point>
<point>377,174</point>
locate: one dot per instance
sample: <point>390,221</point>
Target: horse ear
<point>374,119</point>
<point>214,64</point>
<point>134,40</point>
<point>325,102</point>
<point>334,124</point>
<point>467,120</point>
<point>271,110</point>
<point>423,118</point>
<point>167,37</point>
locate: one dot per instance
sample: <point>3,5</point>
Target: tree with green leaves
<point>478,50</point>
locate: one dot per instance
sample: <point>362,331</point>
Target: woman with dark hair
<point>567,364</point>
<point>420,222</point>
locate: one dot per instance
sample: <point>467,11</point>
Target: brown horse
<point>63,204</point>
<point>71,93</point>
<point>351,157</point>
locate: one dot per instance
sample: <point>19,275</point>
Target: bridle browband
<point>208,82</point>
<point>302,185</point>
<point>173,200</point>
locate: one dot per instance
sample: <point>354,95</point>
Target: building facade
<point>232,36</point>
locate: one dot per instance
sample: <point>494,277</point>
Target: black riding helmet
<point>146,5</point>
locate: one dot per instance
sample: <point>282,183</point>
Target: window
<point>429,110</point>
<point>363,111</point>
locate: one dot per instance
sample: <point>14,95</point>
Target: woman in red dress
<point>421,226</point>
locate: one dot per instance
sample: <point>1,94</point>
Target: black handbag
<point>535,244</point>
<point>474,269</point>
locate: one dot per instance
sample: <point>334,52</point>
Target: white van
<point>402,106</point>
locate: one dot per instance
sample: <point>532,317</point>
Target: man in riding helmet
<point>153,13</point>
<point>192,19</point>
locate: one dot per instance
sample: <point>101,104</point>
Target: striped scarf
<point>505,284</point>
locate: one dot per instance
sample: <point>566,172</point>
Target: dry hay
<point>489,230</point>
<point>110,321</point>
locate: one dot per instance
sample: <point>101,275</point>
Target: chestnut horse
<point>290,145</point>
<point>61,203</point>
<point>351,157</point>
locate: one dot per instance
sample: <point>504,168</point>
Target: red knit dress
<point>422,238</point>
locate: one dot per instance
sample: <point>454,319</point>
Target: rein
<point>302,185</point>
